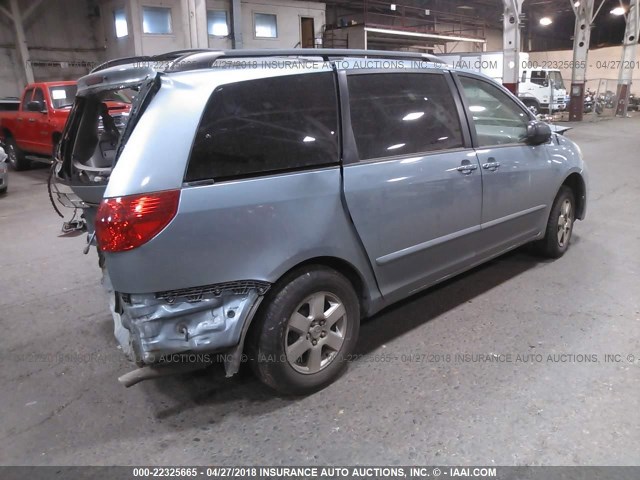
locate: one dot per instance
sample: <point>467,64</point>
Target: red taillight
<point>124,223</point>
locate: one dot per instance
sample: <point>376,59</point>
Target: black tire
<point>17,159</point>
<point>554,244</point>
<point>55,141</point>
<point>274,330</point>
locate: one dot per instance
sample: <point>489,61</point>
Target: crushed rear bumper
<point>214,318</point>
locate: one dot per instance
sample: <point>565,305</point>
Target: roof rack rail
<point>163,57</point>
<point>202,59</point>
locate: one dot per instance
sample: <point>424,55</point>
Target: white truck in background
<point>538,88</point>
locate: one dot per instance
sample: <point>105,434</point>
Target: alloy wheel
<point>13,158</point>
<point>565,222</point>
<point>315,332</point>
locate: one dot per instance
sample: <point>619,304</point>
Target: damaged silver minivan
<point>261,203</point>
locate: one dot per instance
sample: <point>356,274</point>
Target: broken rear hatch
<point>106,110</point>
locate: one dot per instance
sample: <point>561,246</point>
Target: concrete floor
<point>61,403</point>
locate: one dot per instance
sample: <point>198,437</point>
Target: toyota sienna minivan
<point>259,204</point>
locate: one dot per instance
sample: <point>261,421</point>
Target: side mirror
<point>538,133</point>
<point>35,106</point>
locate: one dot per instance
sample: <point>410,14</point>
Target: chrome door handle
<point>491,166</point>
<point>466,169</point>
<point>32,120</point>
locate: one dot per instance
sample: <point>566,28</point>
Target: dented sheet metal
<point>150,326</point>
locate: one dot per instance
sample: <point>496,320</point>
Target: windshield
<point>63,95</point>
<point>557,79</point>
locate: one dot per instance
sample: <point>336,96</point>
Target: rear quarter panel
<point>254,229</point>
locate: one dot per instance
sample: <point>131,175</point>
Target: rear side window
<point>402,113</point>
<point>267,125</point>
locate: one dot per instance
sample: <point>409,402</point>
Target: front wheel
<point>559,226</point>
<point>16,156</point>
<point>306,331</point>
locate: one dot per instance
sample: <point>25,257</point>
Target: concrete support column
<point>628,57</point>
<point>236,15</point>
<point>198,36</point>
<point>581,37</point>
<point>134,12</point>
<point>511,43</point>
<point>21,41</point>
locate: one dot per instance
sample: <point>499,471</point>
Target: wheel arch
<point>577,185</point>
<point>345,268</point>
<point>530,101</point>
<point>55,138</point>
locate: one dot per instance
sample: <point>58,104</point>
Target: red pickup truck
<point>31,132</point>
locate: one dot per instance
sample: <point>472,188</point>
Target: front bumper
<point>151,327</point>
<point>554,106</point>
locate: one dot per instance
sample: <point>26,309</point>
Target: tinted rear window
<point>267,125</point>
<point>402,113</point>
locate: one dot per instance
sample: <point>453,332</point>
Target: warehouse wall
<point>492,37</point>
<point>179,38</point>
<point>117,47</point>
<point>288,21</point>
<point>597,66</point>
<point>288,14</point>
<point>62,36</point>
<point>222,43</point>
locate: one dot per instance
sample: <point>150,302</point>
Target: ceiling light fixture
<point>545,21</point>
<point>618,11</point>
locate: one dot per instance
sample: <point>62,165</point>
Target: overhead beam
<point>30,9</point>
<point>21,41</point>
<point>581,38</point>
<point>511,43</point>
<point>437,36</point>
<point>6,12</point>
<point>629,48</point>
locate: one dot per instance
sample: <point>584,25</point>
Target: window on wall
<point>120,21</point>
<point>156,20</point>
<point>266,25</point>
<point>217,23</point>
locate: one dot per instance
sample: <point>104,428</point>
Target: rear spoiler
<point>117,77</point>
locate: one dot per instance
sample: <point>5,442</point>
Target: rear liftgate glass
<point>99,125</point>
